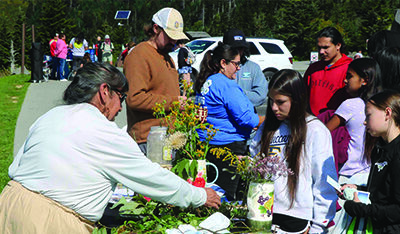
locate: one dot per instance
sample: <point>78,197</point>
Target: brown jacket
<point>152,79</point>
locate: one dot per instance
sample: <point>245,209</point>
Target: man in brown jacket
<point>152,75</point>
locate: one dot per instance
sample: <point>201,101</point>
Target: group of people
<point>78,50</point>
<point>63,176</point>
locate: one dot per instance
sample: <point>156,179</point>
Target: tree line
<point>294,21</point>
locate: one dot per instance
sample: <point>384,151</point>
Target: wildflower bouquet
<point>258,169</point>
<point>183,121</point>
<point>259,172</point>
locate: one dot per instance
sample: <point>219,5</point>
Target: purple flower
<point>268,167</point>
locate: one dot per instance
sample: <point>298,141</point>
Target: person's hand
<point>348,186</point>
<point>260,121</point>
<point>182,102</point>
<point>213,200</point>
<point>355,199</point>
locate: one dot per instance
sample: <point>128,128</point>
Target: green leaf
<point>271,194</point>
<point>262,209</point>
<point>121,201</point>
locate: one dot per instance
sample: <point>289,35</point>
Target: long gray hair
<point>88,79</point>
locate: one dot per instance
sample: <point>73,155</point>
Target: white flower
<point>176,141</point>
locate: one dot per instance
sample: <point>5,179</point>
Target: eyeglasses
<point>236,64</point>
<point>122,96</point>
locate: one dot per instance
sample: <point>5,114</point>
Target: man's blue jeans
<point>54,67</point>
<point>60,70</point>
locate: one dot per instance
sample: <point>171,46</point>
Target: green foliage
<point>185,168</point>
<point>13,90</point>
<point>53,19</point>
<point>294,21</point>
<point>157,217</point>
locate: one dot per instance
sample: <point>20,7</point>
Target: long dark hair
<point>211,63</point>
<point>389,61</point>
<point>289,83</point>
<point>369,70</point>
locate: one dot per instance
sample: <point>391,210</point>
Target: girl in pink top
<point>61,54</point>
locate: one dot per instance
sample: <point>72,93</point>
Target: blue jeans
<point>60,70</point>
<point>54,67</point>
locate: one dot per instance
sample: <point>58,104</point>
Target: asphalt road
<point>41,97</point>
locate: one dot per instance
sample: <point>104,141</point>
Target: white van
<point>271,54</point>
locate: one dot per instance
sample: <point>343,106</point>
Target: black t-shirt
<point>182,58</point>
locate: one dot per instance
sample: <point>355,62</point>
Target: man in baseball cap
<point>250,77</point>
<point>170,20</point>
<point>151,73</point>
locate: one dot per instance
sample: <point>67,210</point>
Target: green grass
<point>12,94</point>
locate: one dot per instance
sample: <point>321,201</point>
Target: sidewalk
<point>39,99</point>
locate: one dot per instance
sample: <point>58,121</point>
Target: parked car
<point>271,54</point>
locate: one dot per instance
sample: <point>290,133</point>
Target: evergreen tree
<point>53,19</point>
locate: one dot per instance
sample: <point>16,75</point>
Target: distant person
<point>61,54</point>
<point>54,61</point>
<point>152,75</point>
<point>126,51</point>
<point>62,177</point>
<point>250,77</point>
<point>78,45</point>
<point>99,53</point>
<point>325,77</point>
<point>86,59</point>
<point>107,48</point>
<point>185,61</point>
<point>358,55</point>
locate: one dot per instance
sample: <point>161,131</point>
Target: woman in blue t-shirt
<point>229,111</point>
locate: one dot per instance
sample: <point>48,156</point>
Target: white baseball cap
<point>171,21</point>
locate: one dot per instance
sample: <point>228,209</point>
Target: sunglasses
<point>236,64</point>
<point>122,96</point>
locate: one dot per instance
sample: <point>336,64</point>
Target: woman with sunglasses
<point>229,110</point>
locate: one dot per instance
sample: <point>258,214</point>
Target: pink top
<point>61,49</point>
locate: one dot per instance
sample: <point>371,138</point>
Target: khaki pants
<point>25,211</point>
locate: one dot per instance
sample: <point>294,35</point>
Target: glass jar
<point>155,143</point>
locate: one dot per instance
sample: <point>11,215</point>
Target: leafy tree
<point>296,24</point>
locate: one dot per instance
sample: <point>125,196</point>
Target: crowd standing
<point>63,176</point>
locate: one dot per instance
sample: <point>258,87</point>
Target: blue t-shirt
<point>229,110</point>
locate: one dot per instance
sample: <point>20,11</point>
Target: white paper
<point>333,183</point>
